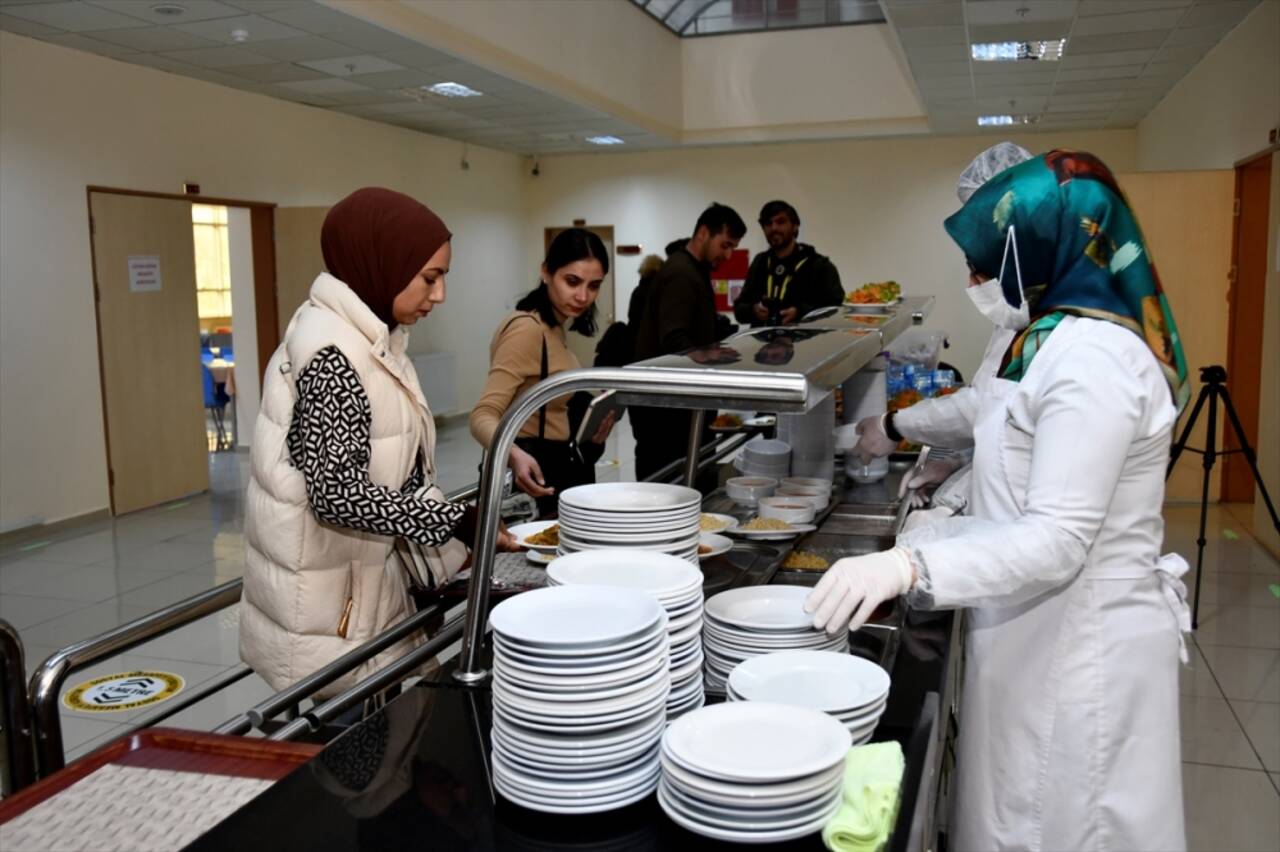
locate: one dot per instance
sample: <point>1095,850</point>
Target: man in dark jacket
<point>790,279</point>
<point>680,314</point>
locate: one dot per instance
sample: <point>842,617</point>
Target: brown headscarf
<point>376,240</point>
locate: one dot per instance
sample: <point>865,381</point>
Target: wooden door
<point>581,346</point>
<point>149,339</point>
<point>298,257</point>
<point>1248,292</point>
<point>1186,220</point>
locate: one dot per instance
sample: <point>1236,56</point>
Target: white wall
<point>244,322</point>
<point>838,81</point>
<point>875,206</point>
<point>1223,109</point>
<point>70,119</point>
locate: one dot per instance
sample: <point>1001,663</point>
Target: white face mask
<point>988,297</point>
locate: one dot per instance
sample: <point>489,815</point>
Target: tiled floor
<point>83,581</point>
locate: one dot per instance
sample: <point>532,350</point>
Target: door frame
<point>1237,478</point>
<point>262,225</point>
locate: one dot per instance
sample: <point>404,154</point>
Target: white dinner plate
<point>622,650</point>
<point>650,726</point>
<point>616,785</point>
<point>658,574</point>
<point>718,543</point>
<point>524,531</point>
<point>529,764</point>
<point>769,609</point>
<point>559,806</point>
<point>575,681</point>
<point>575,617</point>
<point>581,727</point>
<point>824,680</point>
<point>564,756</point>
<point>772,535</point>
<point>609,700</point>
<point>750,819</point>
<point>662,544</point>
<point>539,558</point>
<point>582,665</point>
<point>756,741</point>
<point>685,821</point>
<point>779,795</point>
<point>762,642</point>
<point>630,497</point>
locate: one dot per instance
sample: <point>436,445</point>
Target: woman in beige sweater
<point>528,346</point>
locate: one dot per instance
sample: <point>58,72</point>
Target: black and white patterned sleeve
<point>329,443</point>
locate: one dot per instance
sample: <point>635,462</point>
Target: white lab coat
<point>1069,714</point>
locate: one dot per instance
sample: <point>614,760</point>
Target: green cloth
<point>1080,250</point>
<point>1026,345</point>
<point>872,782</point>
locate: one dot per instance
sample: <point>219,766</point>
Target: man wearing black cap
<point>790,279</point>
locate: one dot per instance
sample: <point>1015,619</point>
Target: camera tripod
<point>1215,389</point>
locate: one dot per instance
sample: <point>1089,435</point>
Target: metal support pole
<point>697,419</point>
<point>18,767</point>
<point>696,387</point>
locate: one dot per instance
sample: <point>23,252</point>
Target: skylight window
<point>452,90</point>
<point>1016,51</point>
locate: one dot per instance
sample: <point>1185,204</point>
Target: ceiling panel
<point>92,45</point>
<point>1044,31</point>
<point>1112,7</point>
<point>154,39</point>
<point>275,72</point>
<point>73,17</point>
<point>927,36</point>
<point>193,10</point>
<point>260,29</point>
<point>347,66</point>
<point>1223,13</point>
<point>215,57</point>
<point>1118,57</point>
<point>302,49</point>
<point>1107,72</point>
<point>1164,19</point>
<point>22,26</point>
<point>1105,42</point>
<point>989,12</point>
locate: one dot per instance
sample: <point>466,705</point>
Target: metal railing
<point>692,388</point>
<point>17,748</point>
<point>46,683</point>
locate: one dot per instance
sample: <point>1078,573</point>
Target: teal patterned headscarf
<point>1081,253</point>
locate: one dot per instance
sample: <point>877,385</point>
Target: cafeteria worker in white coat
<point>1069,715</point>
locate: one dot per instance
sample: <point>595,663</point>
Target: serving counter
<point>416,774</point>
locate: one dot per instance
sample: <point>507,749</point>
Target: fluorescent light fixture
<point>1014,51</point>
<point>604,140</point>
<point>1006,120</point>
<point>452,90</point>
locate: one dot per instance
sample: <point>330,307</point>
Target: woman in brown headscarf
<point>343,451</point>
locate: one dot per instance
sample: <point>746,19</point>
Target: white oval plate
<point>625,649</point>
<point>630,497</point>
<point>632,655</point>
<point>532,528</point>
<point>577,617</point>
<point>772,535</point>
<point>718,543</point>
<point>611,786</point>
<point>532,765</point>
<point>727,522</point>
<point>758,742</point>
<point>824,680</point>
<point>770,609</point>
<point>539,558</point>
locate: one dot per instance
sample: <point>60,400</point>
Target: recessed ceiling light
<point>170,9</point>
<point>1004,120</point>
<point>239,36</point>
<point>605,140</point>
<point>452,90</point>
<point>1015,51</point>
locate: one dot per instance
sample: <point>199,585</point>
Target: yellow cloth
<point>872,781</point>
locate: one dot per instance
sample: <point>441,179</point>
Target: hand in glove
<point>937,467</point>
<point>855,586</point>
<point>873,443</point>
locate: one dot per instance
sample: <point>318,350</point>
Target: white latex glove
<point>855,586</point>
<point>937,467</point>
<point>873,443</point>
<point>925,517</point>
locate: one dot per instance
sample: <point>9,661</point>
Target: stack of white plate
<point>848,688</point>
<point>632,515</point>
<point>765,457</point>
<point>581,676</point>
<point>676,584</point>
<point>753,772</point>
<point>754,620</point>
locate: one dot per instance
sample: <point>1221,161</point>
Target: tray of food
<point>876,296</point>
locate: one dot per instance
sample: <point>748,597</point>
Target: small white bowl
<point>749,489</point>
<point>793,510</point>
<point>819,498</point>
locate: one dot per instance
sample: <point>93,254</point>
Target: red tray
<point>176,750</point>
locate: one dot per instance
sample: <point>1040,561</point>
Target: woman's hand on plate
<point>507,543</point>
<point>528,474</point>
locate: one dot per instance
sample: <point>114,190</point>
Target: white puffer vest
<point>313,592</point>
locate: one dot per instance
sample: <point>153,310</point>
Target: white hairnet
<point>987,165</point>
